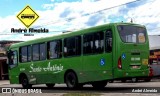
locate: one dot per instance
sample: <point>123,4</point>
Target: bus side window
<point>35,52</point>
<point>99,44</point>
<point>72,46</point>
<point>88,44</point>
<point>59,48</point>
<point>78,45</point>
<point>108,46</point>
<point>69,46</point>
<point>54,49</point>
<point>42,49</point>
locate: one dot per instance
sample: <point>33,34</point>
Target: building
<point>154,59</point>
<point>3,58</point>
<point>154,43</point>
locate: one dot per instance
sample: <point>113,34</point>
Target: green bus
<point>89,56</point>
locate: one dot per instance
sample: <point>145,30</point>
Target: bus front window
<point>132,34</point>
<point>12,58</point>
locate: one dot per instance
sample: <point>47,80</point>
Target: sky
<point>69,15</point>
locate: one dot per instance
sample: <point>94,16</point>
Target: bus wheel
<point>71,80</point>
<point>50,85</point>
<point>99,84</point>
<point>25,83</point>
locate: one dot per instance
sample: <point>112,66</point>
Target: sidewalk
<point>3,82</point>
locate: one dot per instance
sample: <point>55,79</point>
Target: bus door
<point>97,59</point>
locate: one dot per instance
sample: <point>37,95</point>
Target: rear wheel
<point>50,85</point>
<point>71,80</point>
<point>25,83</point>
<point>99,84</point>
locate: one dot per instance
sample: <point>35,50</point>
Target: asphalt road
<point>112,89</point>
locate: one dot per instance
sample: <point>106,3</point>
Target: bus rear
<point>132,51</point>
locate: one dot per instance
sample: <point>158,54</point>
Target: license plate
<point>134,67</point>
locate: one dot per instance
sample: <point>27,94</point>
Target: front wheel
<point>25,83</point>
<point>99,84</point>
<point>71,80</point>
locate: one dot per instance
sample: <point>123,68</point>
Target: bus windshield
<point>132,34</point>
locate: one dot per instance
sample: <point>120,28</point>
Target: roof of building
<point>9,41</point>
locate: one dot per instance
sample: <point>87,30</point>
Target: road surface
<point>112,89</point>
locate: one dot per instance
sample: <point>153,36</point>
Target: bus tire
<point>71,80</point>
<point>50,85</point>
<point>25,83</point>
<point>99,84</point>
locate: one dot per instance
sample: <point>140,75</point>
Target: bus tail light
<point>119,63</point>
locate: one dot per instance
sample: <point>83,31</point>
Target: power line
<point>86,14</point>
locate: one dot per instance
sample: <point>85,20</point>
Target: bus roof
<point>69,34</point>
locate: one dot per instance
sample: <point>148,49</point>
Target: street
<point>112,89</point>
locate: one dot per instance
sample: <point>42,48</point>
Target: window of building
<point>72,46</point>
<point>55,49</point>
